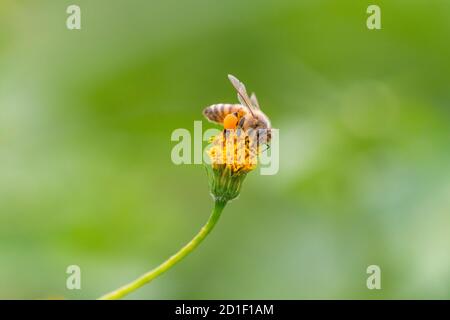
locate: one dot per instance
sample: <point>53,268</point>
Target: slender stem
<point>169,263</point>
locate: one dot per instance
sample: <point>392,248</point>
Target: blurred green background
<point>85,171</point>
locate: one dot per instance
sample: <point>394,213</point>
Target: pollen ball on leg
<point>230,121</point>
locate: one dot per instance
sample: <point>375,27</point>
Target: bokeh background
<point>86,176</point>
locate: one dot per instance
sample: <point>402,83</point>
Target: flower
<point>233,154</point>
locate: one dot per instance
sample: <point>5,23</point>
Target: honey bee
<point>243,116</point>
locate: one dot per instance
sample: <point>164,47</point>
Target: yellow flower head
<point>233,154</point>
<point>234,150</point>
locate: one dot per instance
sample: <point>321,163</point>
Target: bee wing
<point>242,93</point>
<point>254,101</point>
<point>241,101</point>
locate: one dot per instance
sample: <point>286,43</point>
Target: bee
<point>243,116</point>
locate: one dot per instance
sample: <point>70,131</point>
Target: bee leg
<point>241,122</point>
<point>237,125</point>
<point>240,126</point>
<point>224,134</point>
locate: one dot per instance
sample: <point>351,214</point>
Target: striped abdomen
<point>217,112</point>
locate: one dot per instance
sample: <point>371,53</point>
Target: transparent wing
<point>254,101</point>
<point>242,93</point>
<point>241,101</point>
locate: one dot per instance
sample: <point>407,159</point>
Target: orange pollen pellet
<point>230,121</point>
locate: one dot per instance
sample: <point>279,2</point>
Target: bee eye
<point>230,121</point>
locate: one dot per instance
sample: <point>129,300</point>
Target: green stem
<point>169,263</point>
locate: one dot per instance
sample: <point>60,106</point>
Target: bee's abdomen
<point>217,112</point>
